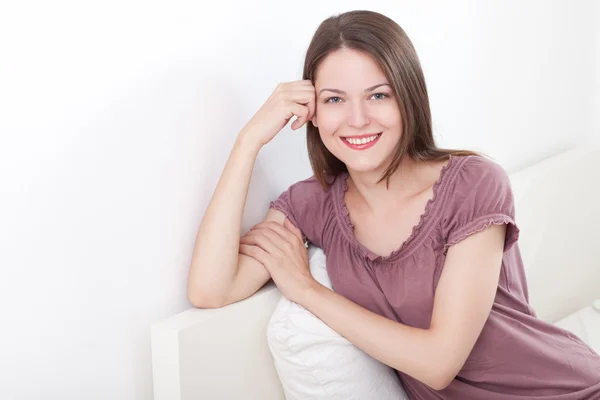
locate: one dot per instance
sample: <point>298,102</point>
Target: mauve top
<point>517,356</point>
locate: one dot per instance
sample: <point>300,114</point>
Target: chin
<point>359,162</point>
<point>363,166</point>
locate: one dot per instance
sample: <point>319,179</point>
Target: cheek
<point>328,139</point>
<point>388,116</point>
<point>329,119</point>
<point>395,117</point>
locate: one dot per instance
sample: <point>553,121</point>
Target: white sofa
<point>223,353</point>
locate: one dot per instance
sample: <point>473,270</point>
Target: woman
<point>421,242</point>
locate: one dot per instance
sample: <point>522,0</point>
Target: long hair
<point>389,46</point>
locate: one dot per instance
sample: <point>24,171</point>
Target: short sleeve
<point>308,206</point>
<point>481,196</point>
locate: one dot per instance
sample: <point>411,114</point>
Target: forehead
<point>348,68</point>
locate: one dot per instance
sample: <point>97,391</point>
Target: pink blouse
<point>517,356</point>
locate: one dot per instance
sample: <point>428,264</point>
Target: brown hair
<point>387,43</point>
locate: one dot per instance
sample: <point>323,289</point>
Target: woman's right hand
<point>288,99</point>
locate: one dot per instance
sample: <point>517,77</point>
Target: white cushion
<point>314,362</point>
<point>558,211</point>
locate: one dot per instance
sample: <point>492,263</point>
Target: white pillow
<point>315,362</point>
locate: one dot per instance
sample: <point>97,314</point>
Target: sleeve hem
<point>281,206</point>
<point>479,224</point>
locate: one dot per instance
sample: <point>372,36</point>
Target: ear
<point>313,119</point>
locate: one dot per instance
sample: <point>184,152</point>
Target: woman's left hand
<point>281,250</point>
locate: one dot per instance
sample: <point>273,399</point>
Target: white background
<point>116,119</point>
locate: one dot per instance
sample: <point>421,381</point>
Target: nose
<point>358,117</point>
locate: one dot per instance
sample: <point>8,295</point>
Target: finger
<point>301,112</point>
<point>302,83</point>
<point>300,96</point>
<point>312,108</point>
<point>255,252</point>
<point>284,233</point>
<point>305,97</point>
<point>270,240</point>
<point>264,239</point>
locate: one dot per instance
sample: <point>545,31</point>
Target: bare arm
<point>463,301</point>
<point>215,258</point>
<point>252,275</point>
<point>218,274</point>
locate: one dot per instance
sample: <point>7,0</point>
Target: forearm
<point>416,352</point>
<point>215,257</point>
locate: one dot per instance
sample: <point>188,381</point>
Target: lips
<point>361,146</point>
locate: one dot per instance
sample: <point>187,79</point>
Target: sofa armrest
<point>217,353</point>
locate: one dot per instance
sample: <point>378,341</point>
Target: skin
<point>469,280</point>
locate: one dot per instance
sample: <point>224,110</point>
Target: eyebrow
<point>369,89</point>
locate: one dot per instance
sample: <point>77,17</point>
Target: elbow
<point>446,363</point>
<point>443,378</point>
<point>202,299</point>
<point>441,382</point>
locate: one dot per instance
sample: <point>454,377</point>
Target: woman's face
<point>354,98</point>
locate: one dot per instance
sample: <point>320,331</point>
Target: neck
<point>409,179</point>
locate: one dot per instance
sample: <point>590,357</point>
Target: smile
<point>361,143</point>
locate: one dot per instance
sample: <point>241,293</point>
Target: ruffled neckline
<point>413,240</point>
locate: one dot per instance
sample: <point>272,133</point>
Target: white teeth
<point>361,141</point>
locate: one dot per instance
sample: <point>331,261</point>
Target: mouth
<point>362,142</point>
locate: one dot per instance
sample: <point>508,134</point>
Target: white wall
<point>116,119</point>
<point>595,135</point>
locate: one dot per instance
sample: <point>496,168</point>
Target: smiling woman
<point>426,266</point>
<point>379,89</point>
<point>359,118</point>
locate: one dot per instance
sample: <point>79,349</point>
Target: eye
<point>334,97</point>
<point>381,94</point>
